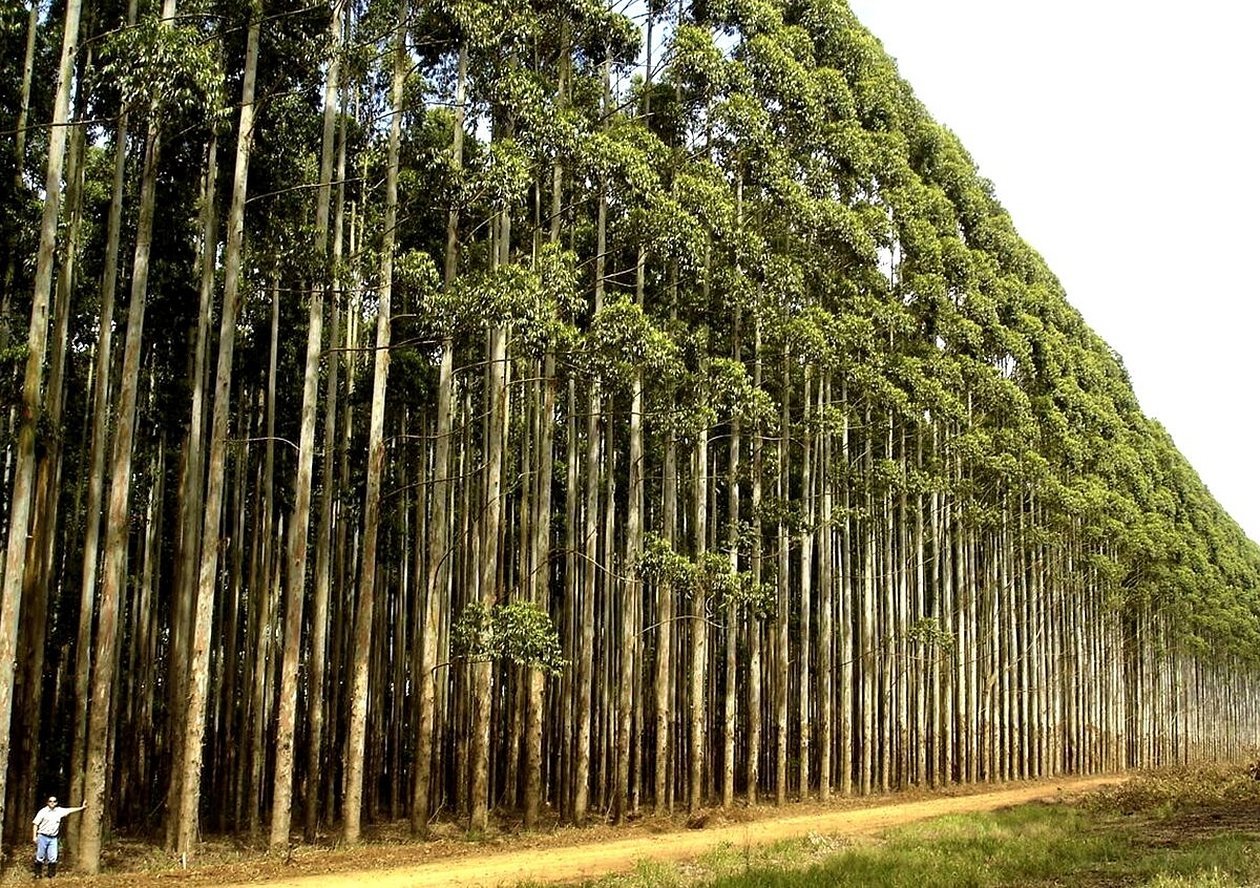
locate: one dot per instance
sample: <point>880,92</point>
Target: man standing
<point>47,825</point>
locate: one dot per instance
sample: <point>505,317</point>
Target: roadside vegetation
<point>1183,827</point>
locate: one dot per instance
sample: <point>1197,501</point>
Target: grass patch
<point>1029,845</point>
<point>1185,828</point>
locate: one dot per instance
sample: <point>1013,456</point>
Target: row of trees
<point>558,408</point>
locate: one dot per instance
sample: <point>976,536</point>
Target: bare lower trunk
<point>299,527</point>
<point>496,394</point>
<point>20,501</point>
<point>438,579</point>
<point>357,735</point>
<point>327,504</point>
<point>117,523</point>
<point>199,660</point>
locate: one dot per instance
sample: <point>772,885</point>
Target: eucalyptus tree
<point>188,772</point>
<point>32,397</point>
<point>376,446</point>
<point>299,529</point>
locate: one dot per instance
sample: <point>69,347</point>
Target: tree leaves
<point>519,632</point>
<point>164,68</point>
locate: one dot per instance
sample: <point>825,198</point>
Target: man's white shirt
<point>48,820</point>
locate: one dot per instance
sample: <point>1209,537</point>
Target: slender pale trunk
<point>572,582</point>
<point>496,394</point>
<point>20,501</point>
<point>586,666</point>
<point>39,571</point>
<point>782,598</point>
<point>299,527</point>
<point>755,565</point>
<point>541,542</point>
<point>361,656</point>
<point>327,505</point>
<point>586,652</point>
<point>634,549</point>
<point>928,653</point>
<point>826,603</point>
<point>732,618</point>
<point>633,594</point>
<point>847,593</point>
<point>866,636</point>
<point>732,518</point>
<point>439,561</point>
<point>99,438</point>
<point>806,593</point>
<point>699,626</point>
<point>268,579</point>
<point>540,584</point>
<point>199,660</point>
<point>192,485</point>
<point>117,523</point>
<point>662,788</point>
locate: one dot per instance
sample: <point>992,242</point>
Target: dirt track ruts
<point>582,861</point>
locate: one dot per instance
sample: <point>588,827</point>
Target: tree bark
<point>439,563</point>
<point>187,812</point>
<point>299,527</point>
<point>96,473</point>
<point>357,731</point>
<point>20,501</point>
<point>117,523</point>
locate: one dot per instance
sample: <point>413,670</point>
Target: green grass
<point>1174,829</point>
<point>1029,845</point>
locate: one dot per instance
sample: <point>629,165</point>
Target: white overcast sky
<point>1123,137</point>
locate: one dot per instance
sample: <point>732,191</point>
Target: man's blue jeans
<point>45,849</point>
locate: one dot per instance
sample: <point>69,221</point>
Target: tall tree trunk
<point>187,813</point>
<point>572,595</point>
<point>826,593</point>
<point>586,653</point>
<point>663,794</point>
<point>753,775</point>
<point>540,586</point>
<point>192,483</point>
<point>807,571</point>
<point>699,625</point>
<point>783,600</point>
<point>269,576</point>
<point>40,550</point>
<point>327,505</point>
<point>848,589</point>
<point>20,501</point>
<point>497,407</point>
<point>586,628</point>
<point>495,562</point>
<point>438,579</point>
<point>541,543</point>
<point>96,470</point>
<point>357,732</point>
<point>117,523</point>
<point>299,527</point>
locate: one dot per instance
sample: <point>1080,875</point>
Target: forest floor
<point>507,857</point>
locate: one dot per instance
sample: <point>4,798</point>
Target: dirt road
<point>576,862</point>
